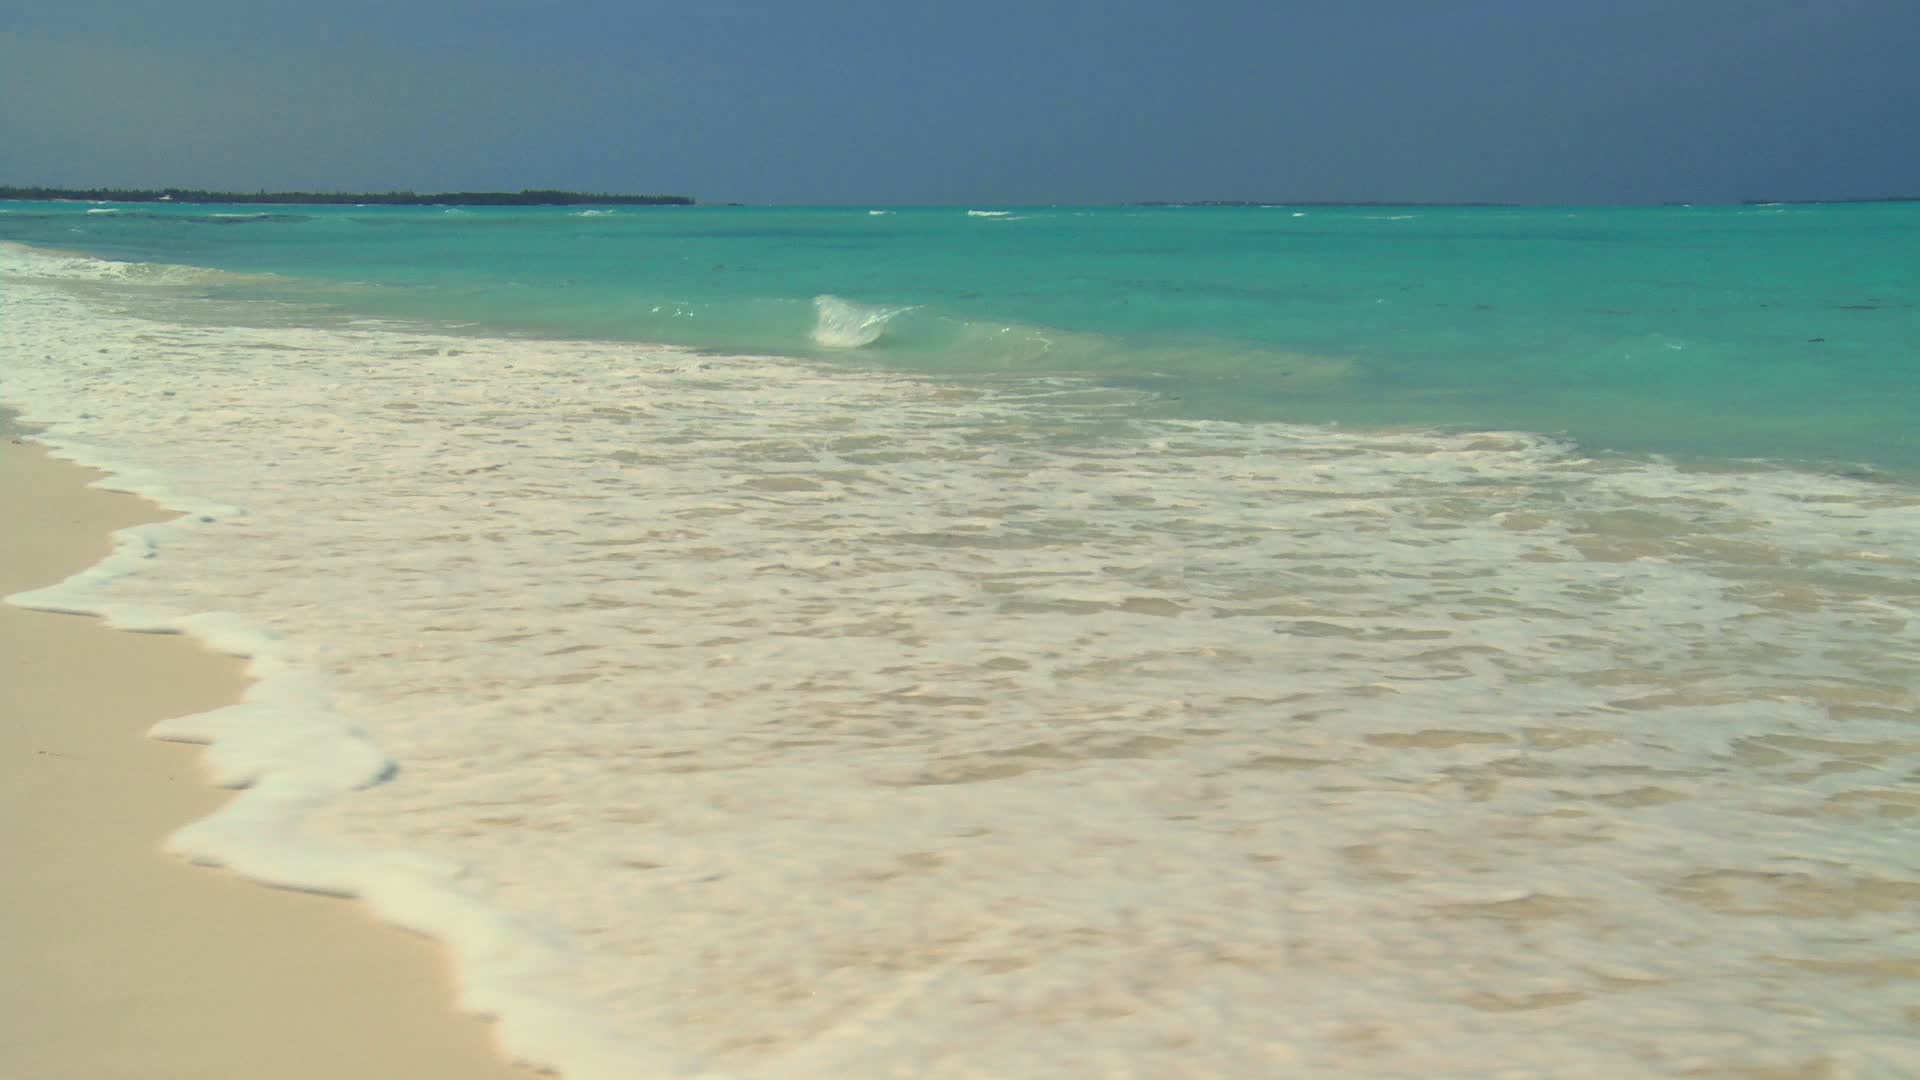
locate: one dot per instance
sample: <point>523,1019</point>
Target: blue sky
<point>1045,101</point>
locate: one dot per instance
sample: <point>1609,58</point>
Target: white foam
<point>24,264</point>
<point>843,324</point>
<point>728,714</point>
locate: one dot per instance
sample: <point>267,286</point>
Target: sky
<point>987,102</point>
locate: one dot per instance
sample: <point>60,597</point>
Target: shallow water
<point>740,715</point>
<point>1712,332</point>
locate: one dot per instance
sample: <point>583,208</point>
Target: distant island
<point>530,197</point>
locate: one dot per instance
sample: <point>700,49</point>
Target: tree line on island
<point>528,197</point>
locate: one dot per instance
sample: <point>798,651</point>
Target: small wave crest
<point>228,219</point>
<point>843,324</point>
<point>53,264</point>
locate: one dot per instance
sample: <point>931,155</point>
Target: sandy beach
<point>123,961</point>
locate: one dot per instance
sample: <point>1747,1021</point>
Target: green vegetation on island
<point>530,197</point>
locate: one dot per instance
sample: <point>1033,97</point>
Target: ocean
<point>1045,642</point>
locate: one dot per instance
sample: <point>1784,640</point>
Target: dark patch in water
<point>239,219</point>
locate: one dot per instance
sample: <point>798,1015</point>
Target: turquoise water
<point>822,644</point>
<point>1778,332</point>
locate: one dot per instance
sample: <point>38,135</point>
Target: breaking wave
<point>844,324</point>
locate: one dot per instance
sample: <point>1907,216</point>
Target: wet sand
<point>124,961</point>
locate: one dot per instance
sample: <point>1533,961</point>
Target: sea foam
<point>729,714</point>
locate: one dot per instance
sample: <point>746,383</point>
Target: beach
<point>955,694</point>
<point>125,961</point>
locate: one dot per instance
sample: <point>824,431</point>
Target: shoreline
<point>833,723</point>
<point>129,962</point>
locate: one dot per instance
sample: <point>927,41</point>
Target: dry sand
<point>117,960</point>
